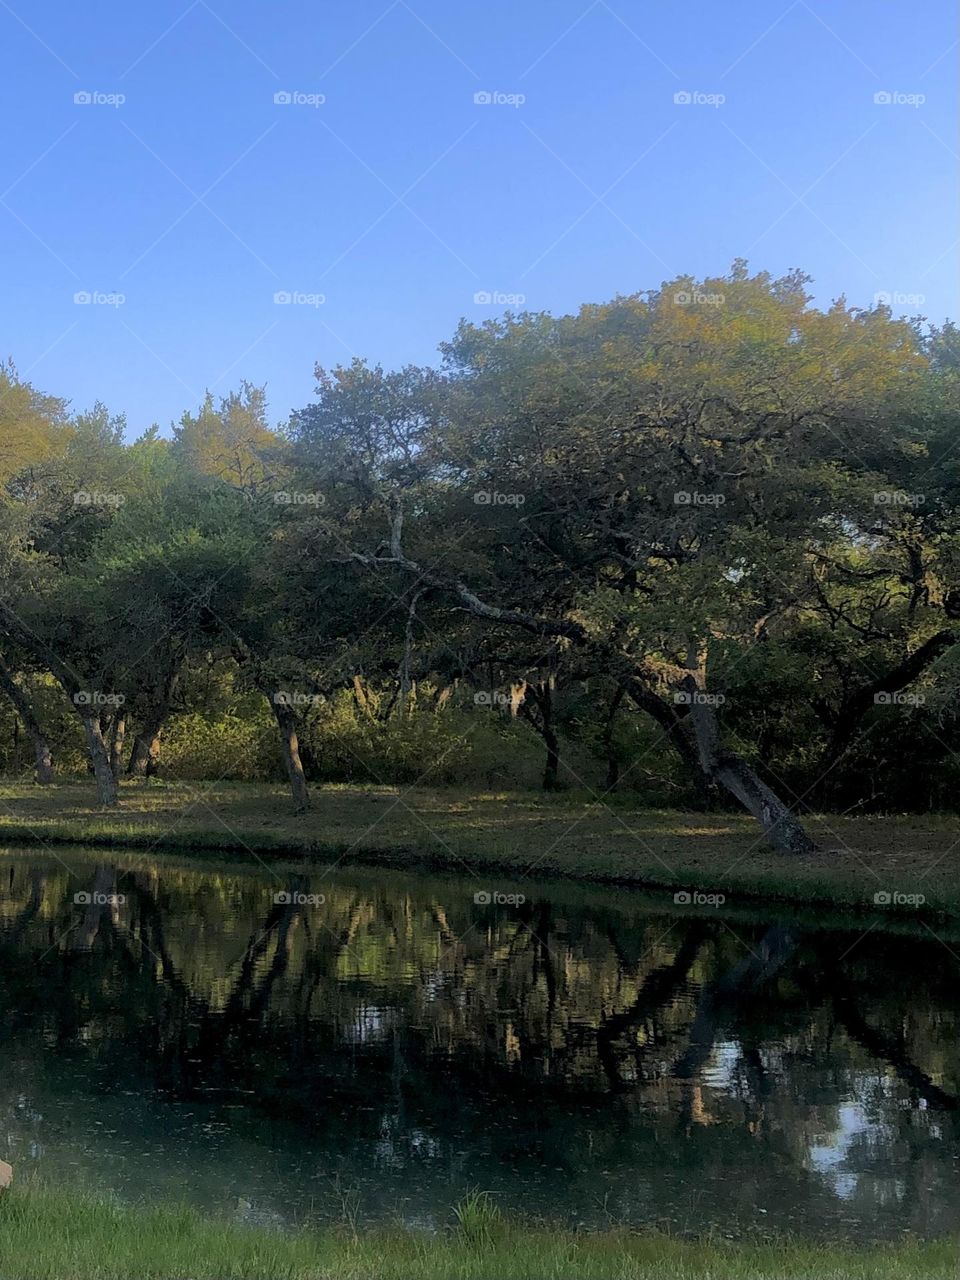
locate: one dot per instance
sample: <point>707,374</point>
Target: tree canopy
<point>705,534</point>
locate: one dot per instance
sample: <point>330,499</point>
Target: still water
<point>284,1047</point>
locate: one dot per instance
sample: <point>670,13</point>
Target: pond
<point>291,1046</point>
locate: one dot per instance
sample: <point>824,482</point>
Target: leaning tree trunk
<point>290,745</point>
<point>41,749</point>
<point>782,828</point>
<point>99,757</point>
<point>680,738</point>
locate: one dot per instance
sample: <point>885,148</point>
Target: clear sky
<point>399,198</point>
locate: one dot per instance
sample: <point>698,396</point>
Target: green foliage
<point>711,482</point>
<point>229,746</point>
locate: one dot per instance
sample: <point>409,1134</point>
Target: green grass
<point>47,1234</point>
<point>512,834</point>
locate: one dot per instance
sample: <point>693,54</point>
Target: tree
<point>232,442</point>
<point>644,482</point>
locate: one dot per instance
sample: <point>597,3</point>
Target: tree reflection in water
<point>227,1037</point>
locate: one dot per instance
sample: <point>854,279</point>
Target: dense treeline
<point>699,543</point>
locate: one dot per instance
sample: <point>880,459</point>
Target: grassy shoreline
<point>50,1234</point>
<point>511,835</point>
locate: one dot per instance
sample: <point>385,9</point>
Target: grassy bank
<point>513,834</point>
<point>52,1235</point>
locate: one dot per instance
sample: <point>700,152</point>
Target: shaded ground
<point>517,835</point>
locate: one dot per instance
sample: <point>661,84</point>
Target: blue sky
<point>198,198</point>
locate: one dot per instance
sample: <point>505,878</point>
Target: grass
<point>48,1234</point>
<point>513,834</point>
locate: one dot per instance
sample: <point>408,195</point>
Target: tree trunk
<point>677,731</point>
<point>41,749</point>
<point>541,696</point>
<point>99,757</point>
<point>116,743</point>
<point>290,745</point>
<point>145,756</point>
<point>612,779</point>
<point>551,771</point>
<point>781,826</point>
<point>407,684</point>
<point>43,759</point>
<point>613,764</point>
<point>362,698</point>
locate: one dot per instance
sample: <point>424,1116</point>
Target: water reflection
<point>275,1046</point>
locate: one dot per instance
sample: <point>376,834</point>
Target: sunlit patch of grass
<point>509,833</point>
